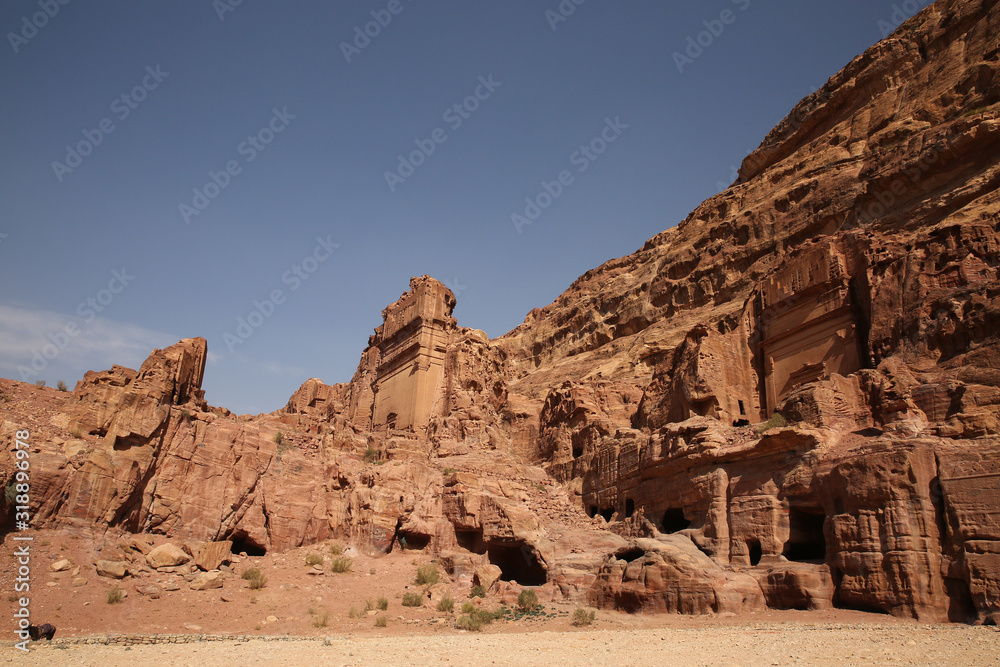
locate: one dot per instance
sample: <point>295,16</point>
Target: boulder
<point>60,565</point>
<point>208,580</point>
<point>114,569</point>
<point>211,555</point>
<point>166,555</point>
<point>486,575</point>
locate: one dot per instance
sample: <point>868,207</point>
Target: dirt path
<point>746,646</point>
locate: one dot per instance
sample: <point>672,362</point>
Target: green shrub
<point>256,578</point>
<point>466,622</point>
<point>527,600</point>
<point>382,603</point>
<point>314,559</point>
<point>583,617</point>
<point>336,549</point>
<point>381,621</point>
<point>115,595</point>
<point>341,564</point>
<point>446,604</point>
<point>468,608</point>
<point>477,592</point>
<point>427,574</point>
<point>371,454</point>
<point>448,472</point>
<point>475,619</point>
<point>413,600</point>
<point>485,616</point>
<point>776,421</point>
<point>278,437</point>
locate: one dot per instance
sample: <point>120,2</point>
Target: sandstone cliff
<point>789,400</point>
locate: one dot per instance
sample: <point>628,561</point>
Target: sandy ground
<point>746,646</point>
<point>321,618</point>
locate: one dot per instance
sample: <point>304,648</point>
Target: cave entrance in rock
<point>629,507</point>
<point>755,551</point>
<point>471,540</point>
<point>517,562</point>
<point>413,541</point>
<point>242,543</point>
<point>806,541</point>
<point>674,520</point>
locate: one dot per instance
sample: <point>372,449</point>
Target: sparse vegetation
<point>382,603</point>
<point>321,619</point>
<point>10,493</point>
<point>314,559</point>
<point>369,605</point>
<point>974,111</point>
<point>582,617</point>
<point>427,574</point>
<point>477,592</point>
<point>527,600</point>
<point>278,437</point>
<point>466,622</point>
<point>61,386</point>
<point>39,383</point>
<point>776,421</point>
<point>341,564</point>
<point>446,604</point>
<point>186,415</point>
<point>371,454</point>
<point>413,600</point>
<point>354,612</point>
<point>336,549</point>
<point>115,595</point>
<point>255,577</point>
<point>76,433</point>
<point>475,619</point>
<point>468,608</point>
<point>448,472</point>
<point>381,621</point>
<point>5,395</point>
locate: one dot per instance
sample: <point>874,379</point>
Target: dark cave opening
<point>413,541</point>
<point>674,520</point>
<point>629,507</point>
<point>630,555</point>
<point>517,563</point>
<point>471,540</point>
<point>755,551</point>
<point>607,513</point>
<point>243,543</point>
<point>806,541</point>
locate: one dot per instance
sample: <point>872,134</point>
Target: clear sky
<point>166,168</point>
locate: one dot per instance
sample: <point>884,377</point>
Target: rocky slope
<point>789,400</point>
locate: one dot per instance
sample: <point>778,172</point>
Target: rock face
<point>789,400</point>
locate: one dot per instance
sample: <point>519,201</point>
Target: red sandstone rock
<point>610,449</point>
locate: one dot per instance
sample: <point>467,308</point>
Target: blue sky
<point>166,168</point>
